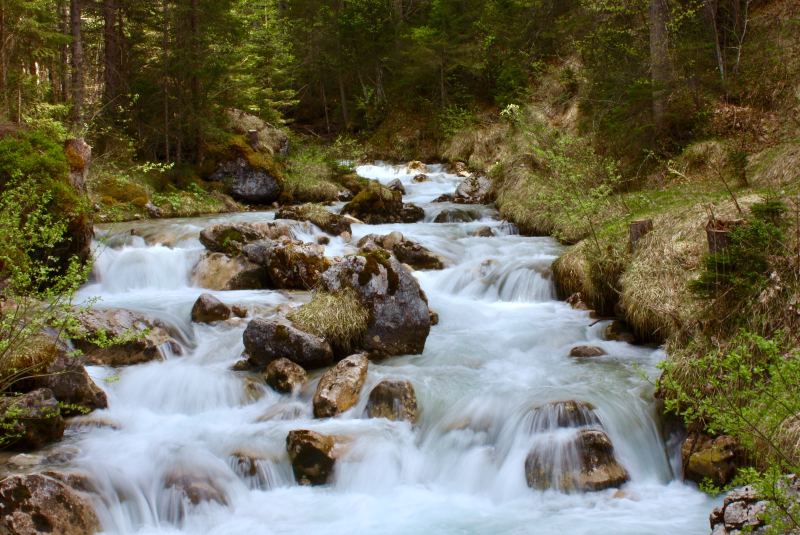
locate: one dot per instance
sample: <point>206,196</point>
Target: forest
<point>654,145</point>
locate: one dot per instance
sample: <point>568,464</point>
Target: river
<point>500,349</point>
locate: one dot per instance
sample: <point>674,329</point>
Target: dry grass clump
<point>481,147</point>
<point>339,318</point>
<point>571,274</point>
<point>776,167</point>
<point>31,357</point>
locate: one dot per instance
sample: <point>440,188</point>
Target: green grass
<point>339,318</point>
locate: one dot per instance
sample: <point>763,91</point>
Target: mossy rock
<point>376,204</point>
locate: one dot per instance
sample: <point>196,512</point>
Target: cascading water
<point>190,447</point>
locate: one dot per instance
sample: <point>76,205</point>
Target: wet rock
<point>196,487</point>
<point>248,183</point>
<point>742,509</point>
<point>376,204</point>
<point>285,376</point>
<point>393,400</point>
<point>583,352</point>
<point>416,167</point>
<point>30,421</point>
<point>153,211</point>
<point>474,190</point>
<point>64,375</point>
<point>339,387</point>
<point>459,169</point>
<point>482,232</point>
<point>38,504</point>
<point>318,215</point>
<point>399,320</point>
<point>208,309</point>
<point>434,316</point>
<point>411,213</point>
<point>406,251</point>
<point>230,238</point>
<point>576,301</point>
<point>323,240</point>
<point>268,340</point>
<point>420,178</point>
<point>456,215</point>
<point>596,468</point>
<point>289,264</point>
<point>619,331</point>
<point>151,336</point>
<point>396,185</point>
<point>220,272</point>
<point>239,311</point>
<point>445,197</point>
<point>311,455</point>
<point>561,414</point>
<point>714,458</point>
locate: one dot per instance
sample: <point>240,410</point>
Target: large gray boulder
<point>376,204</point>
<point>230,238</point>
<point>399,320</point>
<point>290,264</point>
<point>339,387</point>
<point>474,190</point>
<point>406,251</point>
<point>151,336</point>
<point>248,183</point>
<point>220,272</point>
<point>268,340</point>
<point>37,504</point>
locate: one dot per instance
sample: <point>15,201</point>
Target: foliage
<point>339,318</point>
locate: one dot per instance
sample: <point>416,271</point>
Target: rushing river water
<point>500,349</point>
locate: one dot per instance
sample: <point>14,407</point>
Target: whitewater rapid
<point>501,348</point>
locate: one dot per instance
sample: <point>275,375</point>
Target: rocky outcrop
<point>38,504</point>
<point>743,510</point>
<point>318,215</point>
<point>230,238</point>
<point>208,309</point>
<point>30,421</point>
<point>108,324</point>
<point>220,272</point>
<point>406,251</point>
<point>311,455</point>
<point>399,320</point>
<point>376,204</point>
<point>714,458</point>
<point>339,387</point>
<point>456,215</point>
<point>585,352</point>
<point>268,340</point>
<point>393,400</point>
<point>289,264</point>
<point>474,190</point>
<point>248,183</point>
<point>595,466</point>
<point>260,135</point>
<point>285,376</point>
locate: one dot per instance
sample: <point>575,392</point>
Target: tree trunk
<point>194,80</point>
<point>3,58</point>
<point>343,97</point>
<point>660,64</point>
<point>111,54</point>
<point>63,52</point>
<point>165,79</point>
<point>77,62</point>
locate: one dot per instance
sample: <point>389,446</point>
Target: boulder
<point>399,320</point>
<point>474,190</point>
<point>482,232</point>
<point>30,421</point>
<point>208,309</point>
<point>311,455</point>
<point>742,511</point>
<point>586,464</point>
<point>583,352</point>
<point>220,272</point>
<point>376,204</point>
<point>416,167</point>
<point>114,323</point>
<point>714,458</point>
<point>420,178</point>
<point>285,376</point>
<point>456,215</point>
<point>39,504</point>
<point>619,331</point>
<point>339,387</point>
<point>564,414</point>
<point>318,215</point>
<point>289,264</point>
<point>230,238</point>
<point>196,487</point>
<point>268,340</point>
<point>64,375</point>
<point>411,213</point>
<point>459,169</point>
<point>396,185</point>
<point>393,400</point>
<point>248,183</point>
<point>406,251</point>
<point>261,136</point>
<point>434,316</point>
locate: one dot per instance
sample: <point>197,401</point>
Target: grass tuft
<point>339,318</point>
